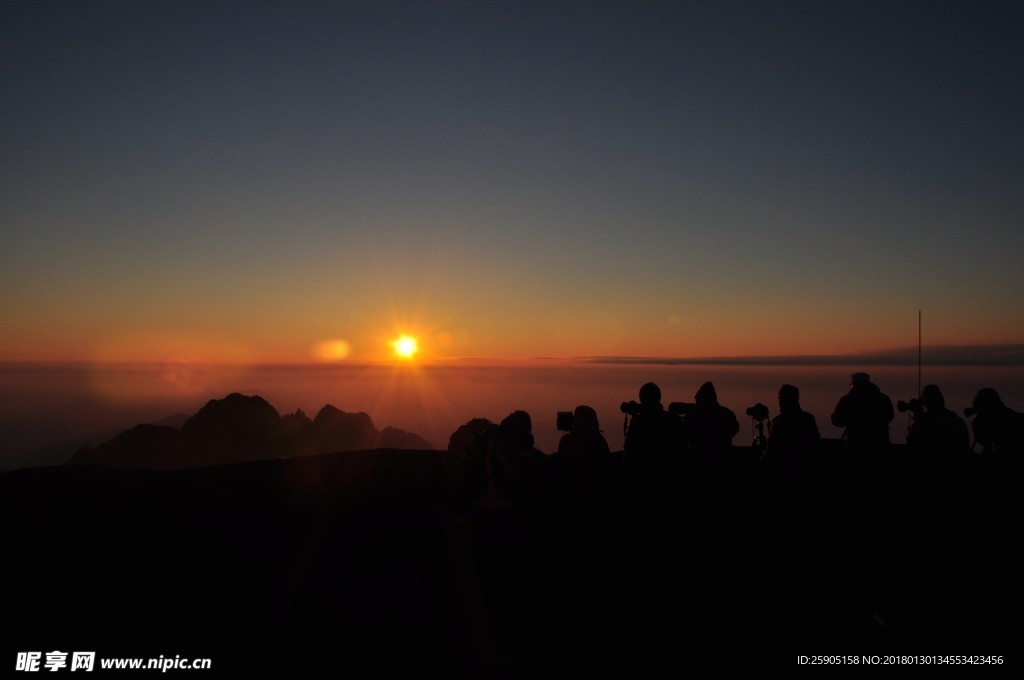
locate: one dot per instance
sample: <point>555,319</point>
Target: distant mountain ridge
<point>61,453</point>
<point>239,428</point>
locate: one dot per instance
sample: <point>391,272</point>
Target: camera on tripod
<point>758,412</point>
<point>914,406</point>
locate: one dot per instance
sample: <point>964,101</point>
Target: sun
<point>405,347</point>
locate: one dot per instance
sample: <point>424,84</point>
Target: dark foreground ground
<point>368,560</point>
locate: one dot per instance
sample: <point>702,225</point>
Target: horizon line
<point>993,355</point>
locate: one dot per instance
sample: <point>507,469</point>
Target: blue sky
<point>248,180</point>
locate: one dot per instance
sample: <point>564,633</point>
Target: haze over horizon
<point>259,183</point>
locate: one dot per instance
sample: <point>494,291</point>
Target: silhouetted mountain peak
<point>235,411</point>
<point>331,416</point>
<point>397,438</point>
<point>240,428</point>
<point>233,429</point>
<point>298,417</point>
<point>294,424</point>
<point>336,430</point>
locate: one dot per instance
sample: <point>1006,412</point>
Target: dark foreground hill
<point>368,561</point>
<point>238,428</point>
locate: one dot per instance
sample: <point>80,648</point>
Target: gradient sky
<point>244,181</point>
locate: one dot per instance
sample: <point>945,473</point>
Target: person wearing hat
<point>865,414</point>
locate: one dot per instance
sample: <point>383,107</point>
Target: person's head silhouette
<point>789,398</point>
<point>517,428</point>
<point>650,394</point>
<point>931,398</point>
<point>987,400</point>
<point>584,421</point>
<point>859,380</point>
<point>706,394</point>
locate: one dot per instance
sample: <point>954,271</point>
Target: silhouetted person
<point>937,435</point>
<point>653,433</point>
<point>503,481</point>
<point>792,437</point>
<point>865,413</point>
<point>583,454</point>
<point>996,426</point>
<point>709,429</point>
<point>462,437</point>
<point>502,461</point>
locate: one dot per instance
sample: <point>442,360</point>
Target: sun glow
<point>332,350</point>
<point>405,347</point>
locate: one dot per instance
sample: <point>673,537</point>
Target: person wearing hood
<point>709,429</point>
<point>583,453</point>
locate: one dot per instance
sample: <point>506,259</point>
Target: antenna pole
<point>919,353</point>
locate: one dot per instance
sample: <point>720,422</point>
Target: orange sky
<point>508,183</point>
<point>363,326</point>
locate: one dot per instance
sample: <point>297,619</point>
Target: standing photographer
<point>792,437</point>
<point>938,436</point>
<point>653,435</point>
<point>584,458</point>
<point>709,428</point>
<point>996,426</point>
<point>865,413</point>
